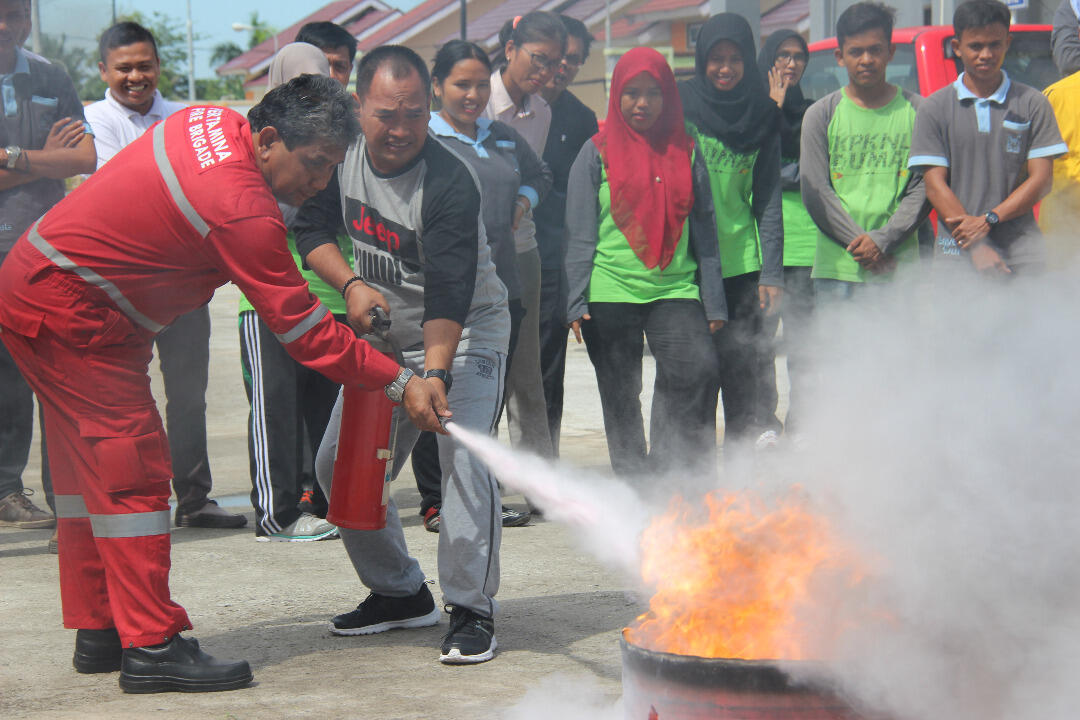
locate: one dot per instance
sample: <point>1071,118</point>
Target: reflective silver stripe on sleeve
<point>173,183</point>
<point>130,524</point>
<point>93,278</point>
<point>303,326</point>
<point>69,507</point>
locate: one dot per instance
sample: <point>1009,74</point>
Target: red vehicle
<point>924,60</point>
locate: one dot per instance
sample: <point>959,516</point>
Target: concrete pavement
<point>270,603</point>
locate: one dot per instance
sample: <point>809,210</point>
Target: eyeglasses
<point>794,58</point>
<point>541,62</point>
<point>572,61</point>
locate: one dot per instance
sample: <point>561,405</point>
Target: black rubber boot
<point>97,651</point>
<point>179,666</point>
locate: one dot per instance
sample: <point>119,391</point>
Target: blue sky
<point>80,20</point>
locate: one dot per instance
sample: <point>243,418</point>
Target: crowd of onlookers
<point>486,208</point>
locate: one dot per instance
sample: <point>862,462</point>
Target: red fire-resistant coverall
<point>179,212</point>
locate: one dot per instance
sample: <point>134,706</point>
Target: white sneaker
<point>306,528</point>
<point>767,440</point>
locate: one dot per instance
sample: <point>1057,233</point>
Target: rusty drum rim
<point>726,673</point>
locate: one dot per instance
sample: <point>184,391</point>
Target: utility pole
<point>607,25</point>
<point>464,21</point>
<point>749,9</point>
<point>35,25</point>
<point>190,57</point>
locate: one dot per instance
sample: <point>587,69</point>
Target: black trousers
<point>553,338</point>
<point>290,408</point>
<point>797,312</point>
<point>678,337</point>
<point>737,350</point>
<point>183,351</point>
<point>16,425</point>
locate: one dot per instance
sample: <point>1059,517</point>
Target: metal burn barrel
<point>664,686</point>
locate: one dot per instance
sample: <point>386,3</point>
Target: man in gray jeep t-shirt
<point>412,209</point>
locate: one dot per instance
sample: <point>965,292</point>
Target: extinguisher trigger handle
<point>384,454</point>
<point>380,321</point>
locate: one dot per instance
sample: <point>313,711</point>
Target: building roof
<point>654,10</point>
<point>357,16</point>
<point>793,14</point>
<point>621,28</point>
<point>398,30</point>
<point>485,29</point>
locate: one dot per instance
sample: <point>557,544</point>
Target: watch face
<point>396,390</point>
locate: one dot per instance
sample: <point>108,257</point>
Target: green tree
<point>224,52</point>
<point>260,32</point>
<point>79,62</point>
<point>220,88</point>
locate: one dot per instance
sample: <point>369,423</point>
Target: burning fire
<point>740,582</point>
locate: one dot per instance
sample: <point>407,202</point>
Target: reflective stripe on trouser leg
<point>83,576</point>
<point>83,588</point>
<point>129,525</point>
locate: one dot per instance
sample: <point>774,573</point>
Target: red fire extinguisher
<point>361,483</point>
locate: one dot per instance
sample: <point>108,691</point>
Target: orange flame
<point>737,583</point>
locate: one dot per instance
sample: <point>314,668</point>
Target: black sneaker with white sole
<point>514,518</point>
<point>471,638</point>
<point>379,613</point>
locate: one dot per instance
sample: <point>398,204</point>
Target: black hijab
<point>743,118</point>
<point>795,105</point>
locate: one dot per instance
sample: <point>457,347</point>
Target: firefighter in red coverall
<point>188,207</point>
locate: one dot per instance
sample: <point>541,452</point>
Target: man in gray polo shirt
<point>987,146</point>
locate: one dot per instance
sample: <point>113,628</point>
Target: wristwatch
<point>396,390</point>
<point>992,218</point>
<point>443,375</point>
<point>13,153</point>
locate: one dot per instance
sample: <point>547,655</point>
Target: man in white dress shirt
<point>131,68</point>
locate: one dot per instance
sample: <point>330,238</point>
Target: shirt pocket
<point>44,111</point>
<point>1017,138</point>
<point>508,149</point>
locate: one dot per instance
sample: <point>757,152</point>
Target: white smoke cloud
<point>943,448</point>
<point>566,697</point>
<point>943,439</point>
<point>583,501</point>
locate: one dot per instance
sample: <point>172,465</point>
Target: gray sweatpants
<point>470,529</point>
<point>526,406</point>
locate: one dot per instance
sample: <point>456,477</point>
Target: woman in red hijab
<point>642,261</point>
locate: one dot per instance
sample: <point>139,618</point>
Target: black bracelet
<point>350,281</point>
